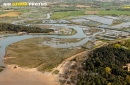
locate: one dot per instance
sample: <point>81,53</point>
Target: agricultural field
<point>58,15</point>
<point>114,12</point>
<point>91,12</point>
<point>108,12</point>
<point>106,4</point>
<point>10,14</point>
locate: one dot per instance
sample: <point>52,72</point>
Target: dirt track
<point>61,66</point>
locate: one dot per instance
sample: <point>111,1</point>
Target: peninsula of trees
<point>20,28</point>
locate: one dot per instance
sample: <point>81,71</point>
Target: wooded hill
<point>107,66</point>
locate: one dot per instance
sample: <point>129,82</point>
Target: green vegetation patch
<point>59,15</point>
<point>23,10</point>
<point>114,12</point>
<point>76,13</point>
<point>3,12</point>
<point>107,3</point>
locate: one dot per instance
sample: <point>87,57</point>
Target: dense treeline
<point>65,10</point>
<point>20,28</point>
<point>107,66</point>
<point>123,9</point>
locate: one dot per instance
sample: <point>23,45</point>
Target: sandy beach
<point>22,76</point>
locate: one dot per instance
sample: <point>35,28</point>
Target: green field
<point>115,12</point>
<point>22,10</point>
<point>106,4</point>
<point>3,12</point>
<point>59,15</point>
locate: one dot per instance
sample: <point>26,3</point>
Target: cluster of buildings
<point>48,21</point>
<point>113,35</point>
<point>63,31</point>
<point>93,43</point>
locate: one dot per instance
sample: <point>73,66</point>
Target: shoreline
<point>15,75</point>
<point>11,75</point>
<point>30,76</point>
<point>22,76</point>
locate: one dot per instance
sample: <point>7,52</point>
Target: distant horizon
<point>6,1</point>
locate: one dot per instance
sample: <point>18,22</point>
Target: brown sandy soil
<point>10,14</point>
<point>65,5</point>
<point>83,6</point>
<point>22,76</point>
<point>91,12</point>
<point>63,66</point>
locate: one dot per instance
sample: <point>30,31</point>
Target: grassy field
<point>76,13</point>
<point>106,4</point>
<point>116,12</point>
<point>23,10</point>
<point>61,8</point>
<point>31,53</point>
<point>71,40</point>
<point>2,12</point>
<point>58,15</point>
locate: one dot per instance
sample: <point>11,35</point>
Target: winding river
<point>5,41</point>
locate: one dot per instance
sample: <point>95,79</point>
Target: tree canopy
<point>20,28</point>
<point>110,64</point>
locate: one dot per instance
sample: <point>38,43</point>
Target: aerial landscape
<point>64,42</point>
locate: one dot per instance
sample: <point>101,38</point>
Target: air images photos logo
<point>25,4</point>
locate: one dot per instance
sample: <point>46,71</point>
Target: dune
<point>22,76</point>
